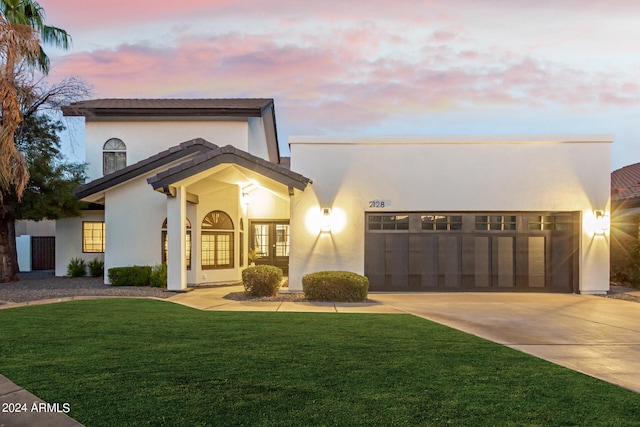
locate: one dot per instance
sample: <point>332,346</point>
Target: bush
<point>158,278</point>
<point>77,268</point>
<point>129,276</point>
<point>340,286</point>
<point>96,268</point>
<point>261,280</point>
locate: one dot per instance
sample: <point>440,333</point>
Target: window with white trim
<point>114,156</point>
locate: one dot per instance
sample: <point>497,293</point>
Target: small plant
<point>158,277</point>
<point>77,268</point>
<point>96,268</point>
<point>129,276</point>
<point>252,254</point>
<point>261,280</point>
<point>341,286</point>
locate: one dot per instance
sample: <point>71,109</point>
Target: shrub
<point>77,268</point>
<point>129,276</point>
<point>96,268</point>
<point>158,278</point>
<point>341,286</point>
<point>261,280</point>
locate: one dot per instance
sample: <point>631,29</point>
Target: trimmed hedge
<point>158,278</point>
<point>136,275</point>
<point>261,280</point>
<point>342,286</point>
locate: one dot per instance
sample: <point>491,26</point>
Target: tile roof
<point>227,155</point>
<point>207,154</point>
<point>625,183</point>
<point>197,145</point>
<point>239,107</point>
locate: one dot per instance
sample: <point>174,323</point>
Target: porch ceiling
<point>231,166</point>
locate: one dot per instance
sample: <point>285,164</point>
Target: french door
<point>270,239</point>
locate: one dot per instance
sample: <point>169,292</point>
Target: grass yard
<point>127,362</point>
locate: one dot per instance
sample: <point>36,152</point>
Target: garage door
<point>453,251</point>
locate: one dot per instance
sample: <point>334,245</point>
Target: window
<point>114,156</point>
<point>217,241</point>
<point>495,222</point>
<point>93,236</point>
<point>556,222</point>
<point>389,222</point>
<point>165,243</point>
<point>436,222</point>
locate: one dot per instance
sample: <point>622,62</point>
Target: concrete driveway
<point>590,334</point>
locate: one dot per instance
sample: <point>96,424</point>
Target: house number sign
<point>379,203</point>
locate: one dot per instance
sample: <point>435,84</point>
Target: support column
<point>176,240</point>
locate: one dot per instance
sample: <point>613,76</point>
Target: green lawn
<point>122,362</point>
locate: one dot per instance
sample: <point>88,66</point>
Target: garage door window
<point>389,222</point>
<point>441,222</point>
<point>557,222</point>
<point>495,222</point>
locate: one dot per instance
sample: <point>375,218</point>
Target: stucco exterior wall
<point>133,215</point>
<point>69,240</point>
<point>536,173</point>
<point>146,138</point>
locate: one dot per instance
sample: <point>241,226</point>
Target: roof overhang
<point>227,161</point>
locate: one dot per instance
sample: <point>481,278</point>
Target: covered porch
<point>219,206</point>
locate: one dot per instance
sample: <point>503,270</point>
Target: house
<point>625,219</point>
<point>198,183</point>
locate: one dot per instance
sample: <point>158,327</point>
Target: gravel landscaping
<point>42,285</point>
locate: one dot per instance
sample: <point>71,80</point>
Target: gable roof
<point>231,107</point>
<point>625,184</point>
<point>197,145</point>
<point>227,155</point>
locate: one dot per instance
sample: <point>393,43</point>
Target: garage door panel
<point>482,261</point>
<point>471,251</point>
<point>397,261</point>
<point>449,262</point>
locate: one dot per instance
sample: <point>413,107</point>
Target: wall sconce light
<point>602,222</point>
<point>326,220</point>
<point>246,198</point>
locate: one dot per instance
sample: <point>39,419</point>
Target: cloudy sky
<point>374,67</point>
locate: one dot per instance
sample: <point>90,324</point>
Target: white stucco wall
<point>146,138</point>
<point>492,173</point>
<point>69,240</point>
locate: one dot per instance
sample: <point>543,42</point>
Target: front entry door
<point>270,239</point>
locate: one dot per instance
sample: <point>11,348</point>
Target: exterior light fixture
<point>602,222</point>
<point>246,199</point>
<point>326,220</point>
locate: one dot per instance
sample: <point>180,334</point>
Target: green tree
<point>22,29</point>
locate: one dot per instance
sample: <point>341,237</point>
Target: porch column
<point>176,225</point>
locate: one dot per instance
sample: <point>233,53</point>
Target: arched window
<point>114,155</point>
<point>217,241</point>
<point>165,243</point>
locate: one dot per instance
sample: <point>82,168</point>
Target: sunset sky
<point>404,67</point>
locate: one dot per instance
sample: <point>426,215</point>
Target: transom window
<point>388,222</point>
<point>114,155</point>
<point>496,222</point>
<point>165,243</point>
<point>437,222</point>
<point>93,236</point>
<point>217,241</point>
<point>556,222</point>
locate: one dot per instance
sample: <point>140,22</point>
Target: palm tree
<point>30,13</point>
<point>21,31</point>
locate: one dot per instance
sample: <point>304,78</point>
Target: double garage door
<point>453,251</point>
